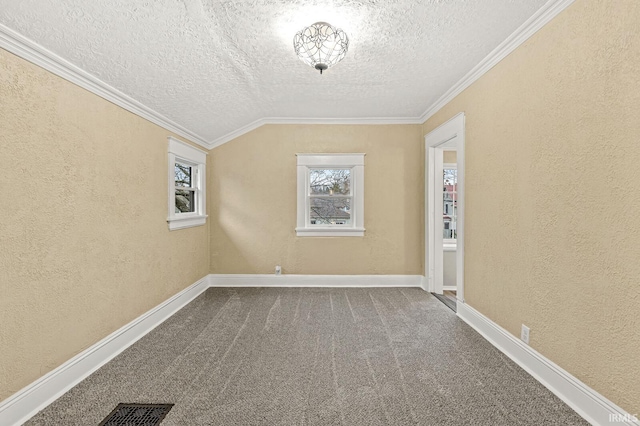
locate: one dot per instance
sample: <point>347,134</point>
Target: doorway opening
<point>444,185</point>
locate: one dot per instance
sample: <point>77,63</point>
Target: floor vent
<point>137,415</point>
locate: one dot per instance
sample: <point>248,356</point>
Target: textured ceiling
<point>214,66</point>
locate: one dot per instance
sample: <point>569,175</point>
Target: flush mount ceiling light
<point>321,45</point>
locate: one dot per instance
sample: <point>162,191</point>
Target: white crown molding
<point>29,50</point>
<point>588,403</point>
<point>24,404</point>
<point>32,52</point>
<point>236,133</point>
<point>308,120</point>
<point>290,280</point>
<point>360,120</point>
<point>543,16</point>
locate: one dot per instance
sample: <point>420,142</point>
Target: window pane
<point>183,175</point>
<point>185,201</point>
<point>330,181</point>
<point>450,177</point>
<point>449,228</point>
<point>330,211</point>
<point>448,197</point>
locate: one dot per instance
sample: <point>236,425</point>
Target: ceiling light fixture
<point>321,45</point>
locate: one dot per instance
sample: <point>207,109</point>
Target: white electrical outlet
<point>524,334</point>
<point>278,270</point>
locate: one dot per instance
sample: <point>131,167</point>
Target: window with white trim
<point>330,195</point>
<point>187,168</point>
<point>449,203</point>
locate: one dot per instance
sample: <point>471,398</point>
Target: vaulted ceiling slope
<point>216,66</point>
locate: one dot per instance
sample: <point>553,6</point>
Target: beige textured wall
<point>79,259</point>
<point>449,157</point>
<point>552,194</point>
<point>252,188</point>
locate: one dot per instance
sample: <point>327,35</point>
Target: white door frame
<point>450,134</point>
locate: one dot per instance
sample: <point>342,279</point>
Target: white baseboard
<point>424,283</point>
<point>21,406</point>
<point>449,288</point>
<point>289,280</point>
<point>589,404</point>
<point>24,404</point>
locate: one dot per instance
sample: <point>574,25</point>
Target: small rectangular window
<point>330,195</point>
<point>187,166</point>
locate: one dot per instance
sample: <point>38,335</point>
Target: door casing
<point>449,135</point>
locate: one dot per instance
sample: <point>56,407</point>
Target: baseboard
<point>449,288</point>
<point>288,280</point>
<point>24,404</point>
<point>592,406</point>
<point>424,283</point>
<point>589,404</point>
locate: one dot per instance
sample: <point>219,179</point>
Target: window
<point>330,195</point>
<point>186,185</point>
<point>450,202</point>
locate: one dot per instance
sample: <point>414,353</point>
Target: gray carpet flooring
<point>291,356</point>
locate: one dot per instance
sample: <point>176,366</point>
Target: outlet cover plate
<point>524,334</point>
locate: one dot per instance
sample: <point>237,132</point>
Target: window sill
<point>330,232</point>
<point>186,222</point>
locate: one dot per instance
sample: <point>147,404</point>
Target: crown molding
<point>236,133</point>
<point>33,52</point>
<point>543,16</point>
<point>29,50</point>
<point>309,120</point>
<point>361,120</point>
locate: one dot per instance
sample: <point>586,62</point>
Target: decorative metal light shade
<point>321,45</point>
